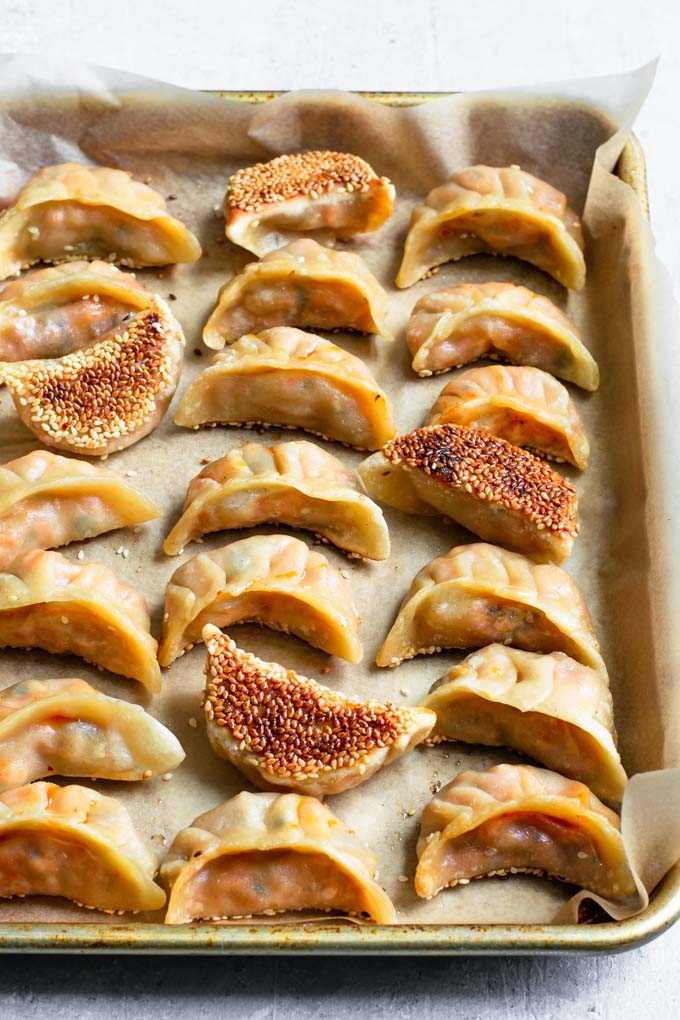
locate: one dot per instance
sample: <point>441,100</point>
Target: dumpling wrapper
<point>287,732</point>
<point>72,211</point>
<point>297,484</point>
<point>501,210</point>
<point>290,379</point>
<point>64,727</point>
<point>268,853</point>
<point>73,842</point>
<point>480,594</point>
<point>273,580</point>
<point>548,707</point>
<point>47,501</point>
<point>49,602</point>
<point>303,284</point>
<point>517,818</point>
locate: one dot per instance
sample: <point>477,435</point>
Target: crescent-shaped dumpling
<point>49,602</point>
<point>302,284</point>
<point>268,853</point>
<point>496,490</point>
<point>524,406</point>
<point>108,396</point>
<point>501,210</point>
<point>70,841</point>
<point>290,379</point>
<point>297,484</point>
<point>450,328</point>
<point>47,501</point>
<point>72,211</point>
<point>273,580</point>
<point>479,594</point>
<point>287,732</point>
<point>515,818</point>
<point>549,707</point>
<point>64,727</point>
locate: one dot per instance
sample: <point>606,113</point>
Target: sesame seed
<point>403,878</point>
<point>81,555</point>
<point>193,723</point>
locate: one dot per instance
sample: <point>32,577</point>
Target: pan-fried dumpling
<point>64,727</point>
<point>501,210</point>
<point>302,284</point>
<point>50,312</point>
<point>49,602</point>
<point>72,842</point>
<point>549,707</point>
<point>286,732</point>
<point>107,397</point>
<point>72,211</point>
<point>516,818</point>
<point>478,594</point>
<point>498,491</point>
<point>268,853</point>
<point>297,484</point>
<point>290,379</point>
<point>47,501</point>
<point>524,406</point>
<point>329,194</point>
<point>273,580</point>
<point>450,328</point>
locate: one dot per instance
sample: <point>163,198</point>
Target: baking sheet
<point>187,144</point>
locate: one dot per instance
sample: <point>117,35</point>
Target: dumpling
<point>286,732</point>
<point>273,580</point>
<point>524,406</point>
<point>330,194</point>
<point>72,842</point>
<point>478,594</point>
<point>107,397</point>
<point>450,328</point>
<point>64,727</point>
<point>302,284</point>
<point>502,210</point>
<point>549,707</point>
<point>297,484</point>
<point>514,819</point>
<point>49,602</point>
<point>290,379</point>
<point>50,312</point>
<point>498,491</point>
<point>72,211</point>
<point>47,501</point>
<point>268,853</point>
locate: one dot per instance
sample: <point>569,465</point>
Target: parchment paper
<point>187,144</point>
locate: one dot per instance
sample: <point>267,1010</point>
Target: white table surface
<point>375,44</point>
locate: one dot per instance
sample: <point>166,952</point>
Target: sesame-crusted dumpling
<point>268,853</point>
<point>64,727</point>
<point>452,327</point>
<point>303,284</point>
<point>273,580</point>
<point>110,395</point>
<point>478,594</point>
<point>49,602</point>
<point>72,211</point>
<point>325,194</point>
<point>517,818</point>
<point>73,842</point>
<point>501,210</point>
<point>498,491</point>
<point>524,406</point>
<point>290,379</point>
<point>548,707</point>
<point>47,501</point>
<point>297,484</point>
<point>287,732</point>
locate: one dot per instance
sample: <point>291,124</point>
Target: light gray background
<point>371,44</point>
